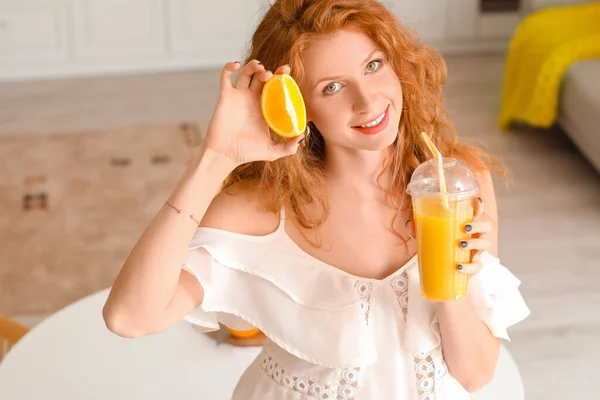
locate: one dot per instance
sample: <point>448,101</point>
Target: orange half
<point>243,334</point>
<point>283,107</point>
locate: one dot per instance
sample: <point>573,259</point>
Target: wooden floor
<point>549,215</point>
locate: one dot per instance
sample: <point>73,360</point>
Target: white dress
<point>333,335</point>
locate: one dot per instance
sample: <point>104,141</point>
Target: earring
<point>309,127</point>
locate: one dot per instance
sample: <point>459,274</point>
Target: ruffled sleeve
<point>493,295</point>
<point>254,281</point>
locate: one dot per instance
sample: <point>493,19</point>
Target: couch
<point>579,108</point>
<point>579,101</point>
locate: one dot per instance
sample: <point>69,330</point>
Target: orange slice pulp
<point>283,107</point>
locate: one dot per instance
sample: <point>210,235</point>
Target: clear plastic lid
<point>460,180</point>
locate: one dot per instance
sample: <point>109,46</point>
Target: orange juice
<point>439,229</point>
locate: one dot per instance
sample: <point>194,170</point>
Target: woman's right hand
<point>237,128</point>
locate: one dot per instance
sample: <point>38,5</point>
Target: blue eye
<point>332,88</point>
<point>374,65</point>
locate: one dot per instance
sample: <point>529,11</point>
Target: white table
<point>71,355</point>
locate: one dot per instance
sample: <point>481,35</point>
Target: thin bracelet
<point>180,211</point>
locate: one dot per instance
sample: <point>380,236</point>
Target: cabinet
<point>214,30</point>
<point>105,29</point>
<point>466,23</point>
<point>458,25</point>
<point>32,31</point>
<point>427,17</point>
<point>63,38</point>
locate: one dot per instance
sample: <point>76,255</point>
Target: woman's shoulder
<point>483,169</point>
<point>242,208</point>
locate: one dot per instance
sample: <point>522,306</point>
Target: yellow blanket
<point>543,47</point>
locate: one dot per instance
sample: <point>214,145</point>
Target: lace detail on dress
<point>400,286</point>
<point>426,373</point>
<point>345,389</point>
<point>364,291</point>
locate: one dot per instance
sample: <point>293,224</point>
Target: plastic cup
<point>439,219</point>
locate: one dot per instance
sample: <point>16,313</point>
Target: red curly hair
<point>297,182</point>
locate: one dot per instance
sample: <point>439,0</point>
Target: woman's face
<point>352,94</point>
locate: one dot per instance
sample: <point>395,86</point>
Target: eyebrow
<point>333,78</point>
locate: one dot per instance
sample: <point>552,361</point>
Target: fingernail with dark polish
<point>468,228</point>
<point>459,266</point>
<point>480,200</point>
<point>259,63</point>
<point>302,140</point>
<point>236,62</point>
<point>463,243</point>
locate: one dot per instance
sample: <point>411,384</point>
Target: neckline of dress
<point>280,231</point>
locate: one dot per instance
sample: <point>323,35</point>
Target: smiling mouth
<point>374,122</point>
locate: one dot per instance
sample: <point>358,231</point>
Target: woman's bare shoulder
<point>241,208</point>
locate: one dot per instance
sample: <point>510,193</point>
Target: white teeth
<point>374,123</point>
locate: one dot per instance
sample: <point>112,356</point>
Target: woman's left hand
<point>480,227</point>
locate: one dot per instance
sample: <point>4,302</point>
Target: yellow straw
<point>440,164</point>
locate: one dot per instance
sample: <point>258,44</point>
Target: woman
<point>309,239</point>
